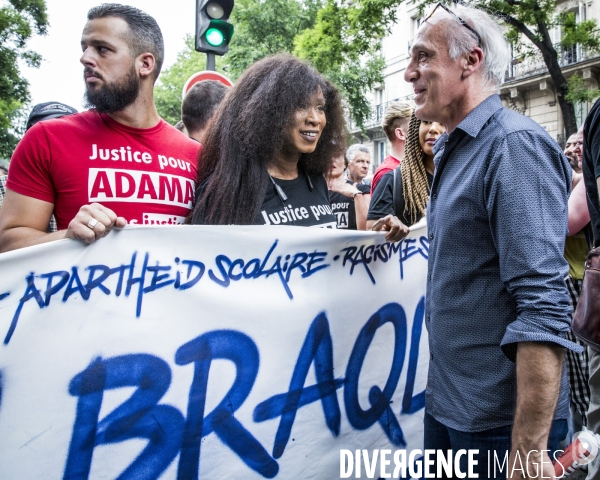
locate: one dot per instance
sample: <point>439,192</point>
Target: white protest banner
<point>213,353</point>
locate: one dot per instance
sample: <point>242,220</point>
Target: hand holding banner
<point>210,352</point>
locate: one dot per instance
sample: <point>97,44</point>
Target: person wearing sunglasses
<point>497,308</point>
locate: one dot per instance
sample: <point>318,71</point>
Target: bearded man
<point>114,164</point>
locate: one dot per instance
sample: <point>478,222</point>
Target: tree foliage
<point>266,27</point>
<point>310,30</point>
<point>19,21</point>
<point>579,92</point>
<point>345,45</point>
<point>169,88</point>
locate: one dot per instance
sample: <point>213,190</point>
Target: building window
<point>379,153</point>
<point>581,111</point>
<point>379,105</point>
<point>416,23</point>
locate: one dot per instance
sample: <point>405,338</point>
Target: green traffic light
<point>215,37</point>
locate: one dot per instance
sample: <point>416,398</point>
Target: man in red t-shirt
<point>395,126</point>
<point>115,164</point>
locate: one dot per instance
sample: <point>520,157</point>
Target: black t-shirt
<point>591,167</point>
<point>382,202</point>
<point>303,206</point>
<point>343,207</point>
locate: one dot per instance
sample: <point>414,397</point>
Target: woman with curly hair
<point>408,201</point>
<point>268,146</point>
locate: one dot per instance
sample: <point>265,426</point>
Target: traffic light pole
<point>210,61</point>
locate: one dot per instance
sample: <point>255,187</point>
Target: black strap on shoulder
<point>397,197</point>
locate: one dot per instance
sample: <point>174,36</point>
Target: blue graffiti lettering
<point>74,286</point>
<point>317,348</point>
<point>138,417</point>
<point>363,419</point>
<point>365,255</point>
<point>307,263</point>
<point>412,404</point>
<point>242,351</point>
<point>70,284</point>
<point>409,248</point>
<point>51,288</point>
<point>93,283</point>
<point>31,293</point>
<point>170,433</point>
<point>190,281</point>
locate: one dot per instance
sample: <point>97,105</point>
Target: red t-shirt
<point>388,164</point>
<point>146,176</point>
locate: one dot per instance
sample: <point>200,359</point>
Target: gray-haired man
<point>497,305</point>
<point>359,161</point>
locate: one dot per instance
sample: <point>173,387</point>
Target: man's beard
<point>115,97</point>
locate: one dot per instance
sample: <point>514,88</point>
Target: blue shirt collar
<point>474,121</point>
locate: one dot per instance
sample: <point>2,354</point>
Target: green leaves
<point>168,90</point>
<point>267,27</point>
<point>579,91</point>
<point>584,33</point>
<point>19,21</point>
<point>345,45</point>
<point>341,41</point>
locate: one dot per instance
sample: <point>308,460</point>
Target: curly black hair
<point>251,128</point>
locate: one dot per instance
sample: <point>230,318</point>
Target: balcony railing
<point>520,68</point>
<point>376,115</point>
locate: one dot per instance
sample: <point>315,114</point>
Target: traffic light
<point>213,31</point>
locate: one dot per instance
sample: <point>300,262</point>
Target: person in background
<point>359,161</point>
<point>41,111</point>
<point>395,126</point>
<point>3,178</point>
<point>199,106</point>
<point>569,151</point>
<point>578,243</point>
<point>349,201</point>
<point>497,307</point>
<point>48,111</point>
<point>578,150</point>
<point>413,177</point>
<point>591,177</point>
<point>119,153</point>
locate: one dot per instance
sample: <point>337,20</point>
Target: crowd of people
<point>510,217</point>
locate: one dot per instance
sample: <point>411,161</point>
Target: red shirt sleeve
<point>30,172</point>
<point>376,177</point>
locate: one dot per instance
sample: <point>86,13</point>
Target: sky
<point>60,76</point>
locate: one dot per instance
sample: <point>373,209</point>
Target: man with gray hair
<point>497,307</point>
<point>359,161</point>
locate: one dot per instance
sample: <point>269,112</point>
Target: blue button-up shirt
<point>497,222</point>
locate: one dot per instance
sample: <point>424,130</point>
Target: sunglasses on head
<point>462,22</point>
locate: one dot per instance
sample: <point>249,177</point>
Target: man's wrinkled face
<point>436,78</point>
<point>359,167</point>
<point>111,80</point>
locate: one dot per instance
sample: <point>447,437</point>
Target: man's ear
<point>473,62</point>
<point>400,134</point>
<point>146,64</point>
